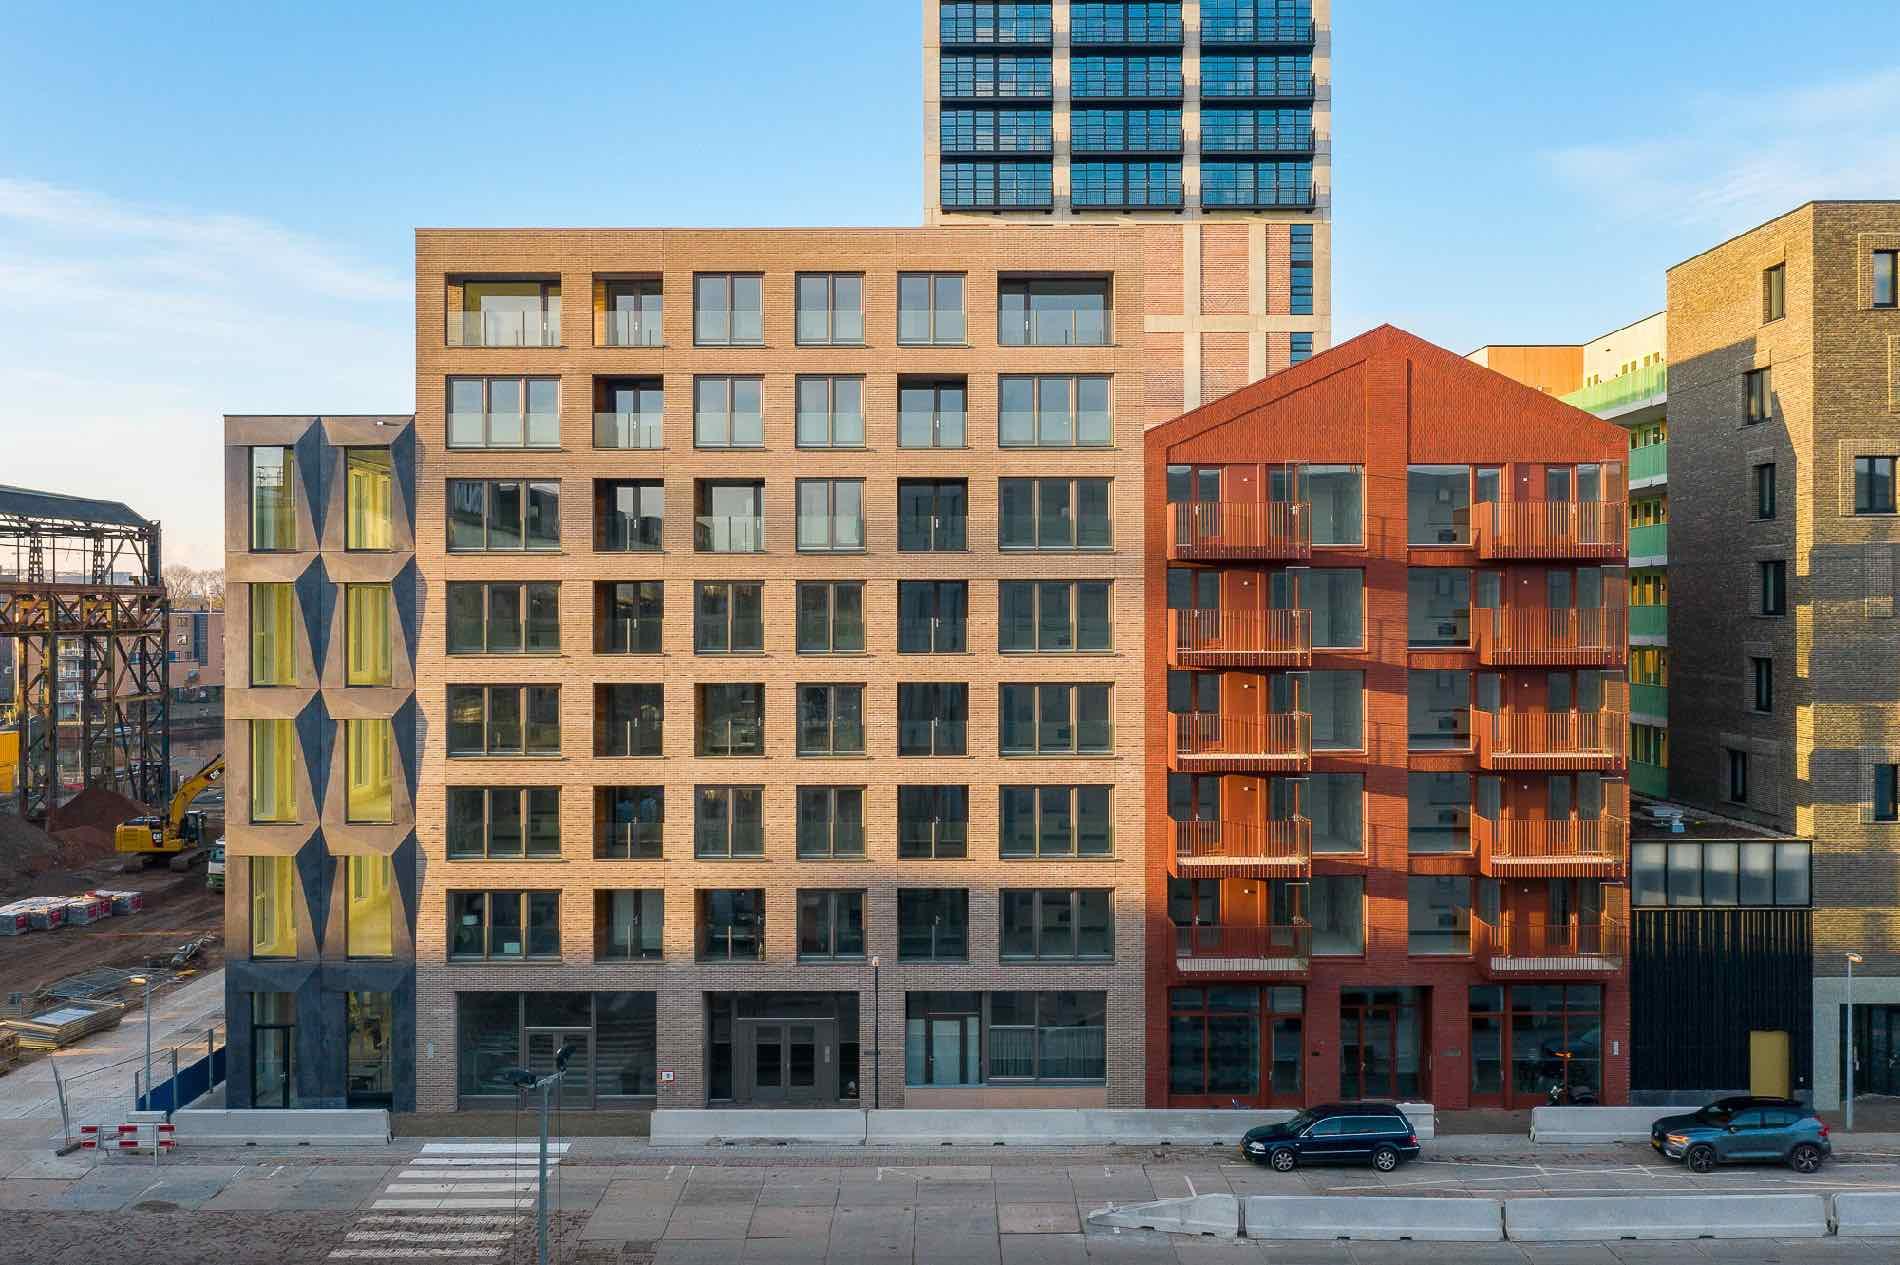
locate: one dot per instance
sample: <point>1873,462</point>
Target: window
<point>1887,792</point>
<point>273,500</point>
<point>1053,411</point>
<point>1737,789</point>
<point>930,310</point>
<point>273,906</point>
<point>965,131</point>
<point>1649,666</point>
<point>1153,183</point>
<point>1765,490</point>
<point>1756,393</point>
<point>1886,278</point>
<point>830,925</point>
<point>1300,348</point>
<point>504,618</point>
<point>831,515</point>
<point>830,412</point>
<point>931,414</point>
<point>1774,293</point>
<point>504,822</point>
<point>634,312</point>
<point>727,412</point>
<point>1300,257</point>
<point>1000,185</point>
<point>1334,699</point>
<point>933,822</point>
<point>1121,75</point>
<point>369,911</point>
<point>510,313</point>
<point>369,495</point>
<point>831,720</point>
<point>1054,514</point>
<point>1055,821</point>
<point>1054,616</point>
<point>628,515</point>
<point>1762,673</point>
<point>1438,606</point>
<point>1215,1033</point>
<point>831,821</point>
<point>1056,924</point>
<point>1438,710</point>
<point>629,823</point>
<point>629,413</point>
<point>1774,587</point>
<point>1438,813</point>
<point>933,924</point>
<point>732,925</point>
<point>728,517</point>
<point>1053,312</point>
<point>504,926</point>
<point>1438,505</point>
<point>628,720</point>
<point>932,515</point>
<point>1690,875</point>
<point>831,309</point>
<point>1439,914</point>
<point>1050,719</point>
<point>370,632</point>
<point>728,617</point>
<point>504,412</point>
<point>504,720</point>
<point>1048,1036</point>
<point>629,926</point>
<point>273,634</point>
<point>370,770</point>
<point>831,617</point>
<point>1873,485</point>
<point>504,514</point>
<point>932,719</point>
<point>728,821</point>
<point>1649,744</point>
<point>731,720</point>
<point>728,309</point>
<point>273,771</point>
<point>628,616</point>
<point>932,616</point>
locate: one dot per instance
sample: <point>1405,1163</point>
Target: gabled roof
<point>26,503</point>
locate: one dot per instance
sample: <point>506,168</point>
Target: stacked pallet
<point>42,913</point>
<point>122,902</point>
<point>60,1027</point>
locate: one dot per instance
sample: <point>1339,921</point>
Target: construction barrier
<point>1576,1126</point>
<point>1872,1214</point>
<point>1585,1220</point>
<point>318,1126</point>
<point>1214,1215</point>
<point>1373,1218</point>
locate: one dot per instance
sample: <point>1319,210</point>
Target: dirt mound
<point>25,850</point>
<point>92,808</point>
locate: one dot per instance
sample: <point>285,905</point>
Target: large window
<point>506,313</point>
<point>1056,821</point>
<point>504,515</point>
<point>504,720</point>
<point>273,634</point>
<point>1550,1033</point>
<point>1054,616</point>
<point>273,500</point>
<point>1262,76</point>
<point>1438,709</point>
<point>629,616</point>
<point>731,925</point>
<point>728,517</point>
<point>628,515</point>
<point>369,643</point>
<point>1438,505</point>
<point>965,131</point>
<point>933,822</point>
<point>728,309</point>
<point>1257,131</point>
<point>1053,411</point>
<point>1757,396</point>
<point>273,906</point>
<point>498,1030</point>
<point>831,515</point>
<point>933,718</point>
<point>731,720</point>
<point>830,309</point>
<point>996,185</point>
<point>931,413</point>
<point>1438,813</point>
<point>930,310</point>
<point>993,75</point>
<point>273,771</point>
<point>503,822</point>
<point>1048,1036</point>
<point>1057,924</point>
<point>831,617</point>
<point>629,720</point>
<point>1053,312</point>
<point>629,413</point>
<point>1057,719</point>
<point>504,618</point>
<point>1257,184</point>
<point>728,821</point>
<point>933,924</point>
<point>831,821</point>
<point>1334,699</point>
<point>370,769</point>
<point>1438,606</point>
<point>1720,873</point>
<point>369,493</point>
<point>1143,22</point>
<point>830,926</point>
<point>1215,1035</point>
<point>1054,514</point>
<point>728,617</point>
<point>504,412</point>
<point>831,720</point>
<point>369,914</point>
<point>932,616</point>
<point>1300,266</point>
<point>1156,130</point>
<point>1335,909</point>
<point>629,823</point>
<point>505,926</point>
<point>635,309</point>
<point>727,412</point>
<point>830,412</point>
<point>629,926</point>
<point>1438,917</point>
<point>1873,485</point>
<point>1124,75</point>
<point>932,515</point>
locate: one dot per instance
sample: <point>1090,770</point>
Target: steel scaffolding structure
<point>81,591</point>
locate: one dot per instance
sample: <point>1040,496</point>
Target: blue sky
<point>207,208</point>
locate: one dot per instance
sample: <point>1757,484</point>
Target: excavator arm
<point>192,787</point>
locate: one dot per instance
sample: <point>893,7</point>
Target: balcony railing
<point>1550,740</point>
<point>1623,392</point>
<point>1242,639</point>
<point>1241,529</point>
<point>1649,464</point>
<point>1228,32</point>
<point>1516,636</point>
<point>1240,197</point>
<point>728,533</point>
<point>1274,741</point>
<point>627,430</point>
<point>540,328</point>
<point>1516,948</point>
<point>629,840</point>
<point>1282,849</point>
<point>1549,529</point>
<point>633,329</point>
<point>1649,621</point>
<point>1259,88</point>
<point>1285,951</point>
<point>1285,140</point>
<point>1649,700</point>
<point>1649,543</point>
<point>992,32</point>
<point>1125,30</point>
<point>1541,847</point>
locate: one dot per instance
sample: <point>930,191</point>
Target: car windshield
<point>1714,1113</point>
<point>1301,1121</point>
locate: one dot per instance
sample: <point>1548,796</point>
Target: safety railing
<point>1235,638</point>
<point>1211,741</point>
<point>1550,529</point>
<point>1241,529</point>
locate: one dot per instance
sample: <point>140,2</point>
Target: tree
<point>189,587</point>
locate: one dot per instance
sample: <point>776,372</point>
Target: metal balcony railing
<point>1550,529</point>
<point>1237,639</point>
<point>1518,948</point>
<point>1250,198</point>
<point>1517,636</point>
<point>540,328</point>
<point>1639,386</point>
<point>633,329</point>
<point>1525,739</point>
<point>629,840</point>
<point>1532,847</point>
<point>1285,140</point>
<point>1260,88</point>
<point>1279,848</point>
<point>1266,950</point>
<point>1275,740</point>
<point>1650,462</point>
<point>628,430</point>
<point>1223,32</point>
<point>1241,529</point>
<point>728,533</point>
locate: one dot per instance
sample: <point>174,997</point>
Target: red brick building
<point>1387,816</point>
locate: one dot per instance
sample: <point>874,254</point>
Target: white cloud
<point>128,330</point>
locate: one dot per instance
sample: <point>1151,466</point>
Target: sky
<point>208,208</point>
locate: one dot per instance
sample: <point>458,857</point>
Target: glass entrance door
<point>1378,1043</point>
<point>270,1066</point>
<point>791,1060</point>
<point>371,1050</point>
<point>577,1087</point>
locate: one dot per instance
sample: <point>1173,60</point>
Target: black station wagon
<point>1375,1133</point>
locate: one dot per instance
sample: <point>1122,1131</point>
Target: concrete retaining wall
<point>1217,1215</point>
<point>1576,1125</point>
<point>1666,1217</point>
<point>1374,1217</point>
<point>320,1127</point>
<point>1867,1215</point>
<point>686,1126</point>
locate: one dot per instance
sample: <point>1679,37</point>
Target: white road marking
<point>428,1236</point>
<point>472,1161</point>
<point>464,1219</point>
<point>460,1188</point>
<point>445,1205</point>
<point>491,1148</point>
<point>412,1253</point>
<point>413,1174</point>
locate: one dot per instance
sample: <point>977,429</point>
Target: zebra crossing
<point>456,1201</point>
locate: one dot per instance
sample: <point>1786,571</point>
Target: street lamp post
<point>1853,960</point>
<point>877,1036</point>
<point>147,981</point>
<point>522,1078</point>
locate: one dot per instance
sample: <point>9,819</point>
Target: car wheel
<point>1284,1160</point>
<point>1385,1158</point>
<point>1805,1158</point>
<point>1701,1159</point>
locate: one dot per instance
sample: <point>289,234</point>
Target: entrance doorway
<point>788,1060</point>
<point>273,1050</point>
<point>1378,1043</point>
<point>1877,1045</point>
<point>577,1087</point>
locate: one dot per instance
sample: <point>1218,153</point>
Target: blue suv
<point>1743,1130</point>
<point>1375,1133</point>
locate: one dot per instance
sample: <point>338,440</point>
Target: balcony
<point>1527,948</point>
<point>629,840</point>
<point>1232,849</point>
<point>1277,742</point>
<point>1259,88</point>
<point>1241,530</point>
<point>1552,741</point>
<point>1649,700</point>
<point>1649,465</point>
<point>1542,847</point>
<point>1549,529</point>
<point>1125,30</point>
<point>1624,393</point>
<point>1649,546</point>
<point>728,533</point>
<point>1247,142</point>
<point>1241,197</point>
<point>1031,29</point>
<point>1242,639</point>
<point>628,430</point>
<point>1284,952</point>
<point>534,327</point>
<point>1247,32</point>
<point>1516,636</point>
<point>1650,624</point>
<point>633,329</point>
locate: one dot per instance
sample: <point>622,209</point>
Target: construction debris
<point>106,982</point>
<point>73,1021</point>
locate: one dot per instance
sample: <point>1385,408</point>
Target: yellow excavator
<point>182,832</point>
